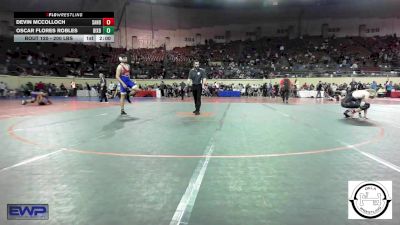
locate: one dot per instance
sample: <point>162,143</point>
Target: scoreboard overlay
<point>64,27</point>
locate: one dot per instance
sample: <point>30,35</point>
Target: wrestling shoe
<point>346,114</point>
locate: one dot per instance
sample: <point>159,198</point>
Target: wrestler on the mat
<point>39,97</point>
<point>355,102</point>
<point>127,86</point>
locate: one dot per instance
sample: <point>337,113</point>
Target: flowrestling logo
<point>27,211</point>
<point>370,200</point>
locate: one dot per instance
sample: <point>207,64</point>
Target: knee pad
<point>365,106</point>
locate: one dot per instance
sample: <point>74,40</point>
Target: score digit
<point>108,21</point>
<point>108,30</point>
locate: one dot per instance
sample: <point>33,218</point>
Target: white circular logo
<point>370,199</point>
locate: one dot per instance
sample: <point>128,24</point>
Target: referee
<point>197,76</point>
<point>285,89</point>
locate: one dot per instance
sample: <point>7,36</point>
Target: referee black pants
<point>285,95</point>
<point>197,89</point>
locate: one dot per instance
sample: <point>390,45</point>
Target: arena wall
<point>14,82</point>
<point>143,38</point>
<point>149,25</point>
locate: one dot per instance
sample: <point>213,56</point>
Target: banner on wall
<point>68,59</point>
<point>215,63</point>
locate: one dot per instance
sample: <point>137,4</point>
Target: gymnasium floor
<point>242,162</point>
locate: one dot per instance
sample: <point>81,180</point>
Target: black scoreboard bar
<point>64,26</point>
<point>59,30</point>
<point>24,22</point>
<point>63,14</point>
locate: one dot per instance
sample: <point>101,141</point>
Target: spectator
<point>39,86</point>
<point>233,60</point>
<point>63,90</point>
<point>3,89</point>
<point>162,89</point>
<point>353,85</point>
<point>319,89</point>
<point>103,88</point>
<point>374,85</point>
<point>276,90</point>
<point>389,88</point>
<point>182,89</point>
<point>88,89</point>
<point>73,88</point>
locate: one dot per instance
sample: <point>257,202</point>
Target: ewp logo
<point>370,200</point>
<point>27,211</point>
